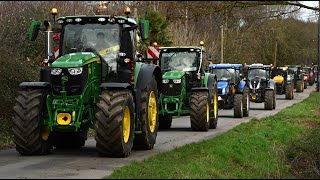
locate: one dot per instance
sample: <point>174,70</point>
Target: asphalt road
<point>85,163</point>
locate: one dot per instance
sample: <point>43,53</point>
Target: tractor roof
<point>293,65</point>
<point>224,66</point>
<point>259,66</point>
<point>96,19</point>
<point>181,47</point>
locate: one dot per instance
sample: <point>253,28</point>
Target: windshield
<point>293,69</point>
<point>224,74</point>
<point>92,37</point>
<point>181,61</point>
<point>252,73</point>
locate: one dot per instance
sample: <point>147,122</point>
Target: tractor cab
<point>179,64</point>
<point>84,38</point>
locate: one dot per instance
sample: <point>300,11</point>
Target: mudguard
<point>241,86</point>
<point>271,85</point>
<point>209,81</point>
<point>35,85</point>
<point>116,86</point>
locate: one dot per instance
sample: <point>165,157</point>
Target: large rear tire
<point>269,100</point>
<point>214,109</point>
<point>165,121</point>
<point>238,106</point>
<point>149,117</point>
<point>246,102</point>
<point>289,91</point>
<point>114,128</point>
<point>30,137</point>
<point>199,111</point>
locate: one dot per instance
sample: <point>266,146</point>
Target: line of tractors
<point>125,100</point>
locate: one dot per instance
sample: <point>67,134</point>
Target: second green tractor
<point>187,89</point>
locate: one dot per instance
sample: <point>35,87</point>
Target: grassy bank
<point>286,145</point>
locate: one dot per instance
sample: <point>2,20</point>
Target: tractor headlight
<point>177,81</point>
<point>75,71</point>
<point>165,81</point>
<point>56,71</point>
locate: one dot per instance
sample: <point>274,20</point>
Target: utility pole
<point>221,43</point>
<point>275,53</point>
<point>74,8</point>
<point>318,84</point>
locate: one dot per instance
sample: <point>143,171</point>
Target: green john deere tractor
<point>187,89</point>
<point>86,87</point>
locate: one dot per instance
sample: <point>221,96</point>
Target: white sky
<point>305,13</point>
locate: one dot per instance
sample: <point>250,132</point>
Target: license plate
<point>219,98</point>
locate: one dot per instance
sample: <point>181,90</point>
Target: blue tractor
<point>233,91</point>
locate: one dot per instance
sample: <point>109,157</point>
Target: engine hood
<point>173,75</point>
<point>75,60</point>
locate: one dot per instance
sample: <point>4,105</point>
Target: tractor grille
<point>75,84</point>
<point>219,91</point>
<point>172,89</point>
<point>171,106</point>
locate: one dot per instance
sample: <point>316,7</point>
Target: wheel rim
<point>215,103</point>
<point>208,112</point>
<point>126,124</point>
<point>152,112</point>
<point>45,131</point>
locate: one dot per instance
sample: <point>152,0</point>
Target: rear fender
<point>110,86</point>
<point>241,87</point>
<point>143,77</point>
<point>209,81</point>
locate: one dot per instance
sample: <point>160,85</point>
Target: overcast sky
<point>305,13</point>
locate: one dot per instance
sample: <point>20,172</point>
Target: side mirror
<point>209,57</point>
<point>34,30</point>
<point>144,29</point>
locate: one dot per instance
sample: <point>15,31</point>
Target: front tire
<point>269,100</point>
<point>199,111</point>
<point>30,137</point>
<point>238,106</point>
<point>149,117</point>
<point>214,109</point>
<point>289,91</point>
<point>246,102</point>
<point>305,85</point>
<point>115,123</point>
<point>299,85</point>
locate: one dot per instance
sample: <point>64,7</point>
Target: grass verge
<point>286,145</point>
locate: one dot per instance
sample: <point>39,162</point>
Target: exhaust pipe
<point>49,43</point>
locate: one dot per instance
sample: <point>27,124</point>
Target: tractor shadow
<point>175,129</point>
<point>86,151</point>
